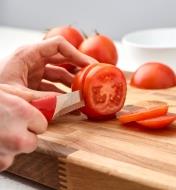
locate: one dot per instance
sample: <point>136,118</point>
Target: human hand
<point>27,66</point>
<point>19,126</point>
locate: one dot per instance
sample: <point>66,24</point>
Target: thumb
<point>24,92</point>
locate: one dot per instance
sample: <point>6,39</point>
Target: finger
<point>25,93</point>
<point>46,86</point>
<point>37,123</point>
<point>58,74</point>
<point>5,161</point>
<point>53,46</point>
<point>56,59</point>
<point>19,142</point>
<point>22,113</point>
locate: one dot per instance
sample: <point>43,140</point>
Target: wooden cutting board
<point>77,154</point>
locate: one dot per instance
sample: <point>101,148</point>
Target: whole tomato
<point>153,75</point>
<point>70,33</point>
<point>101,48</point>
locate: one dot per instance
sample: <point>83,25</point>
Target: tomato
<point>153,75</point>
<point>103,88</point>
<point>48,111</point>
<point>71,68</point>
<point>142,110</point>
<point>101,48</point>
<point>70,33</point>
<point>158,122</point>
<point>80,76</point>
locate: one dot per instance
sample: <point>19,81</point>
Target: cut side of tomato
<point>104,91</point>
<point>142,110</point>
<point>158,122</point>
<point>103,88</point>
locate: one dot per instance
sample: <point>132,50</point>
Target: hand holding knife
<point>54,106</point>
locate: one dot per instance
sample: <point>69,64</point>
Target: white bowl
<point>150,45</point>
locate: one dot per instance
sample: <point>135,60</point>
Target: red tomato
<point>70,33</point>
<point>142,110</point>
<point>153,75</point>
<point>71,68</point>
<point>101,48</point>
<point>104,90</point>
<point>158,122</point>
<point>41,103</point>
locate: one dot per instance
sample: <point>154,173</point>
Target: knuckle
<point>30,145</point>
<point>25,144</point>
<point>18,143</point>
<point>60,38</point>
<point>21,50</point>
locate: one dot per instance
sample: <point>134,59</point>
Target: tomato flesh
<point>153,75</point>
<point>142,110</point>
<point>158,122</point>
<point>103,88</point>
<point>104,91</point>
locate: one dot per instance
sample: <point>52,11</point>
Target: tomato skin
<point>158,122</point>
<point>153,75</point>
<point>80,76</point>
<point>68,66</point>
<point>101,48</point>
<point>46,105</point>
<point>70,33</point>
<point>97,75</point>
<point>143,110</point>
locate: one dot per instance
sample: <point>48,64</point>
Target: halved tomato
<point>104,90</point>
<point>158,122</point>
<point>142,110</point>
<point>153,75</point>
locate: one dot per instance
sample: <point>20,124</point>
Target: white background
<point>112,17</point>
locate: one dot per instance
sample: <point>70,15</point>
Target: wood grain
<point>77,154</point>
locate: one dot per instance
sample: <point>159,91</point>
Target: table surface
<point>10,39</point>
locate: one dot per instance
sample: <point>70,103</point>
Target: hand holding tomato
<point>72,35</point>
<point>26,67</point>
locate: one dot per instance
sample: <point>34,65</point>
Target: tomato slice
<point>78,80</point>
<point>158,122</point>
<point>142,110</point>
<point>104,91</point>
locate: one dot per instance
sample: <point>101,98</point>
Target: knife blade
<point>54,106</point>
